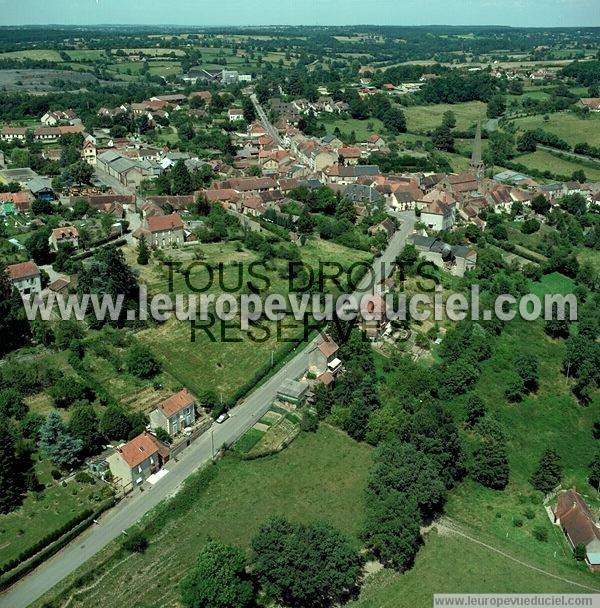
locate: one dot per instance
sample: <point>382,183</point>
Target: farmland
<point>543,160</point>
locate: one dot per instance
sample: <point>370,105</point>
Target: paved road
<point>134,507</point>
<point>269,128</point>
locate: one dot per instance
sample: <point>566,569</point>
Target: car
<point>224,416</point>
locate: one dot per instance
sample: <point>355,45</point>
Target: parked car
<point>224,416</point>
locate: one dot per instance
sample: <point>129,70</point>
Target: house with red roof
<point>324,357</point>
<point>165,230</point>
<point>575,518</point>
<point>175,413</point>
<point>133,462</point>
<point>66,234</point>
<point>25,277</point>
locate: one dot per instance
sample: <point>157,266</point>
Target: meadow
<point>420,119</point>
<point>542,160</point>
<point>566,125</point>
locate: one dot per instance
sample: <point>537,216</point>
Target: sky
<point>530,13</point>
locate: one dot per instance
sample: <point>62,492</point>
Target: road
<point>269,128</point>
<point>136,505</point>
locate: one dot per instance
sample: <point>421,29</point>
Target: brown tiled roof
<point>22,270</point>
<point>328,347</point>
<point>66,232</point>
<point>325,378</point>
<point>140,448</point>
<point>58,284</point>
<point>176,403</point>
<point>576,518</point>
<point>160,223</point>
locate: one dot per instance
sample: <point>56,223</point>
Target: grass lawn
<point>44,512</point>
<point>566,125</point>
<point>589,255</point>
<point>320,476</point>
<point>451,564</point>
<point>360,127</point>
<point>543,160</point>
<point>425,118</point>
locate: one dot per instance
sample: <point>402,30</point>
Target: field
<point>362,128</point>
<point>425,118</point>
<point>542,160</point>
<point>566,125</point>
<point>320,476</point>
<point>451,564</point>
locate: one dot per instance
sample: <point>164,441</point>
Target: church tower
<point>476,163</point>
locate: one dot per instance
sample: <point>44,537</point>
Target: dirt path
<point>446,526</point>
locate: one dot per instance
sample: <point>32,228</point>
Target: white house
<point>175,413</point>
<point>25,277</point>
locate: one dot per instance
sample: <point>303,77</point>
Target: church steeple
<point>476,163</point>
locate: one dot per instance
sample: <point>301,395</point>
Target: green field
<point>320,476</point>
<point>425,118</point>
<point>451,564</point>
<point>35,54</point>
<point>542,160</point>
<point>360,127</point>
<point>566,125</point>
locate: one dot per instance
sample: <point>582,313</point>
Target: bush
<point>518,522</point>
<point>141,362</point>
<point>540,533</point>
<point>136,542</point>
<point>529,513</point>
<point>83,477</point>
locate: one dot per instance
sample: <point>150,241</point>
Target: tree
<point>449,119</point>
<point>490,465</point>
<point>14,326</point>
<point>114,423</point>
<point>496,106</point>
<point>540,204</point>
<point>401,467</point>
<point>443,139</point>
<point>475,410</point>
<point>181,179</point>
<point>80,172</point>
<point>141,362</point>
<point>548,473</point>
<point>218,580</point>
<point>60,447</point>
<point>557,328</point>
<point>529,226</point>
<point>344,210</point>
<point>38,247</point>
<point>594,470</point>
<point>527,142</point>
<point>143,251</point>
<point>12,477</point>
<point>579,176</point>
<point>392,530</point>
<point>313,566</point>
<point>85,426</point>
<point>528,368</point>
<point>394,120</point>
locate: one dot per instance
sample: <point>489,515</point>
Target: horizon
<point>250,13</point>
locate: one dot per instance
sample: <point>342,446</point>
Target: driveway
<point>136,505</point>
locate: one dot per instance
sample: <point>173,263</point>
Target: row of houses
<point>44,134</point>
